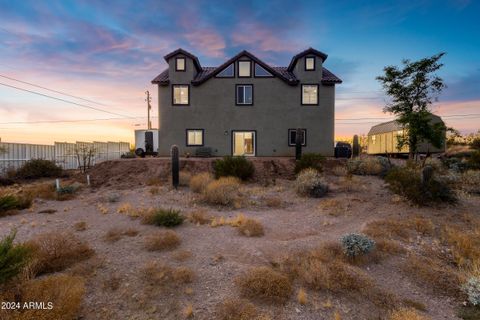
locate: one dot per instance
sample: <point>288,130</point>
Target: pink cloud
<point>207,41</point>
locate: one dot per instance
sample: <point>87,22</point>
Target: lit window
<point>310,94</point>
<point>244,94</point>
<point>180,64</point>
<point>261,72</point>
<point>244,69</point>
<point>228,72</point>
<point>310,63</point>
<point>195,137</point>
<point>292,137</point>
<point>180,95</point>
<point>373,139</point>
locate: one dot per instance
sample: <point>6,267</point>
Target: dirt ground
<point>218,255</point>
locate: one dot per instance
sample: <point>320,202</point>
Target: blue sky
<point>109,51</point>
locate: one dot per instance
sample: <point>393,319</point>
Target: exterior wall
<point>387,143</point>
<point>276,108</point>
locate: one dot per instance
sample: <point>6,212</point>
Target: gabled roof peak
<point>196,62</point>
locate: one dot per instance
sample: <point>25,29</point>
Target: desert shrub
<point>66,190</point>
<point>310,183</point>
<point>199,182</point>
<point>470,181</point>
<point>251,228</point>
<point>474,160</point>
<point>274,202</point>
<point>236,309</point>
<point>113,197</point>
<point>184,178</point>
<point>230,166</point>
<point>38,168</point>
<point>199,217</point>
<point>11,202</point>
<point>407,183</point>
<point>340,171</point>
<point>164,217</point>
<point>162,240</point>
<point>357,244</point>
<point>13,258</point>
<point>6,182</point>
<point>475,144</point>
<point>369,166</point>
<point>116,234</point>
<point>265,284</point>
<point>406,314</point>
<point>63,291</point>
<point>472,290</point>
<point>464,245</point>
<point>223,191</point>
<point>310,160</point>
<point>80,226</point>
<point>435,163</point>
<point>56,251</point>
<point>160,274</point>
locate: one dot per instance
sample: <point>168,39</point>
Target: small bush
<point>13,258</point>
<point>199,182</point>
<point>223,191</point>
<point>472,290</point>
<point>310,183</point>
<point>340,171</point>
<point>236,309</point>
<point>265,284</point>
<point>368,166</point>
<point>164,217</point>
<point>356,245</point>
<point>406,314</point>
<point>407,182</point>
<point>470,181</point>
<point>230,166</point>
<point>474,160</point>
<point>310,160</point>
<point>54,252</point>
<point>80,226</point>
<point>160,274</point>
<point>162,240</point>
<point>115,234</point>
<point>199,217</point>
<point>39,168</point>
<point>13,202</point>
<point>251,228</point>
<point>184,178</point>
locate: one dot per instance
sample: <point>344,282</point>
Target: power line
<point>67,101</point>
<point>56,91</point>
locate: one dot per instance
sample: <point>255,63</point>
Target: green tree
<point>412,89</point>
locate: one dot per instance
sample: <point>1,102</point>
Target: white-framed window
<point>310,94</point>
<point>181,94</point>
<point>195,137</point>
<point>292,137</point>
<point>180,64</point>
<point>309,63</point>
<point>228,72</point>
<point>245,69</point>
<point>244,94</point>
<point>261,72</point>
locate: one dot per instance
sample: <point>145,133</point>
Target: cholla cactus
<point>472,289</point>
<point>357,244</point>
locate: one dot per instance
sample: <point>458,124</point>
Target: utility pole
<point>148,99</point>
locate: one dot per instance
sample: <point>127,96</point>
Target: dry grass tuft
<point>390,247</point>
<point>236,309</point>
<point>406,314</point>
<point>54,252</point>
<point>423,226</point>
<point>251,228</point>
<point>199,217</point>
<point>465,245</point>
<point>340,171</point>
<point>265,284</point>
<point>181,255</point>
<point>162,240</point>
<point>184,178</point>
<point>334,207</point>
<point>274,202</point>
<point>302,296</point>
<point>188,311</point>
<point>44,191</point>
<point>115,234</point>
<point>199,182</point>
<point>389,228</point>
<point>153,181</point>
<point>159,274</point>
<point>223,191</point>
<point>154,191</point>
<point>80,226</point>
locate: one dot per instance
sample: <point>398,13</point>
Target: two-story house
<point>245,106</point>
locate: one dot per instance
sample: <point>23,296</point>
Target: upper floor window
<point>261,72</point>
<point>228,72</point>
<point>309,94</point>
<point>292,137</point>
<point>180,64</point>
<point>194,137</point>
<point>244,94</point>
<point>244,69</point>
<point>181,94</point>
<point>309,63</point>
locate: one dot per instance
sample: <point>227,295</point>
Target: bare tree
<point>85,154</point>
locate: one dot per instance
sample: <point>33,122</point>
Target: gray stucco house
<point>245,106</point>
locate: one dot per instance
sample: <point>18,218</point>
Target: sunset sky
<point>108,52</point>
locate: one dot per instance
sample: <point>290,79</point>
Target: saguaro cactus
<point>298,143</point>
<point>355,147</point>
<point>175,166</point>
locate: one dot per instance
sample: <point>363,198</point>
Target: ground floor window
<point>194,137</point>
<point>243,143</point>
<point>292,137</point>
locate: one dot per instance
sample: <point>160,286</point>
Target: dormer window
<point>244,69</point>
<point>309,63</point>
<point>180,64</point>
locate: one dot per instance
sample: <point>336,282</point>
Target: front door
<point>244,143</point>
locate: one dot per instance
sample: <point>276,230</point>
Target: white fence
<point>14,155</point>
